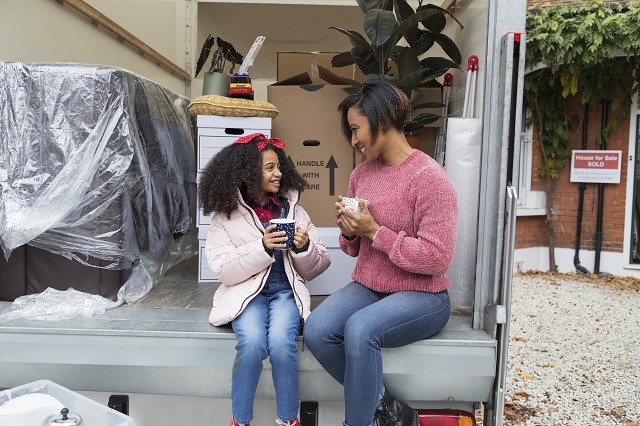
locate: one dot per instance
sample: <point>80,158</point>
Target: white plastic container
<point>92,412</point>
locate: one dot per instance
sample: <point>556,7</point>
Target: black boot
<point>396,413</point>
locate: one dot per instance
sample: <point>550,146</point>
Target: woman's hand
<point>301,237</point>
<point>352,223</point>
<point>274,240</point>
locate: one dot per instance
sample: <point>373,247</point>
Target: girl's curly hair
<point>240,166</point>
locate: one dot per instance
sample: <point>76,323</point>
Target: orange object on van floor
<point>445,418</point>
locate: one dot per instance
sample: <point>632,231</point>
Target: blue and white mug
<point>288,226</point>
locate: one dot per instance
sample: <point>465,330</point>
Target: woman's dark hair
<point>240,166</point>
<point>384,105</point>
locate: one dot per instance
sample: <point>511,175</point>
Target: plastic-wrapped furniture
<point>97,179</point>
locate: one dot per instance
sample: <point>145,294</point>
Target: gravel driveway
<point>574,351</point>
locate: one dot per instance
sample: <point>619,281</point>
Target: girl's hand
<point>301,237</point>
<point>274,240</point>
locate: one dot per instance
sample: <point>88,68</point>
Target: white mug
<point>352,203</point>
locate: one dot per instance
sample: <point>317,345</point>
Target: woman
<point>404,238</point>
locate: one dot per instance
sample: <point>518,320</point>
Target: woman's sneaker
<point>234,423</point>
<point>396,413</point>
<point>293,422</point>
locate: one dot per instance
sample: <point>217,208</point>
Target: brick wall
<point>533,231</point>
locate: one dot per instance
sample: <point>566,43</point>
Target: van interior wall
<point>294,28</point>
<point>47,31</point>
<point>471,40</point>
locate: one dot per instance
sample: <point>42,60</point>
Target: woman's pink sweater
<point>416,206</point>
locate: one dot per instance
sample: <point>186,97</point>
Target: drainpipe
<point>603,146</point>
<point>582,188</point>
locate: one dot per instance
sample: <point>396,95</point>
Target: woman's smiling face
<point>361,133</point>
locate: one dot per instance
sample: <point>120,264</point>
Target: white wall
<point>46,31</point>
<point>537,259</point>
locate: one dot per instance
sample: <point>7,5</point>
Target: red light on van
<point>446,418</point>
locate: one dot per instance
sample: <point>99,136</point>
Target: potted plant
<point>223,63</point>
<point>386,24</point>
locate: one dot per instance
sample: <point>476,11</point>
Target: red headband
<point>262,142</point>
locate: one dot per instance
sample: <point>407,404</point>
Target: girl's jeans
<point>347,331</point>
<point>268,326</point>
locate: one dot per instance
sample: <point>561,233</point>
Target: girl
<point>404,238</point>
<point>263,291</point>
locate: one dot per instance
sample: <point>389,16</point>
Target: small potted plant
<point>223,63</point>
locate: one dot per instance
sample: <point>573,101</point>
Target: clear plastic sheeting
<point>96,161</point>
<point>57,305</point>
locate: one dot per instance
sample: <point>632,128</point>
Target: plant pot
<point>216,83</point>
<point>414,141</point>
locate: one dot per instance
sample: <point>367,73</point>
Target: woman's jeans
<point>347,331</point>
<point>269,326</point>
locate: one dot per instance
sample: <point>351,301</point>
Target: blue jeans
<point>268,326</point>
<point>347,331</point>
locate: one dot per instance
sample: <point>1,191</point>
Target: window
<point>530,203</point>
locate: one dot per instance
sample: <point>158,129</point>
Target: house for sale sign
<point>597,166</point>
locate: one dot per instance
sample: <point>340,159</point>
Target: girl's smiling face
<point>361,134</point>
<point>270,174</point>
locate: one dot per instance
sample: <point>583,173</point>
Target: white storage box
<point>205,275</point>
<point>339,272</point>
<point>92,412</point>
<point>214,133</point>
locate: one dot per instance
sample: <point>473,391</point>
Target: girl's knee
<point>253,344</point>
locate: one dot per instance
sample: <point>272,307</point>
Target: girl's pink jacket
<point>237,257</point>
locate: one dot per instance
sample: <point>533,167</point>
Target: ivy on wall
<point>593,45</point>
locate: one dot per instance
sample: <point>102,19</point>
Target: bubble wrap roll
<point>463,168</point>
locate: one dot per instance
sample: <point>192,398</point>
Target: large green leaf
<point>342,60</point>
<point>407,62</point>
<point>438,63</point>
<point>404,11</point>
<point>379,25</point>
<point>367,5</point>
<point>447,45</point>
<point>424,43</point>
<point>419,122</point>
<point>436,22</point>
<point>395,53</point>
<point>429,105</point>
<point>375,77</point>
<point>356,38</point>
<point>411,21</point>
<point>410,81</point>
<point>426,118</point>
<point>389,49</point>
<point>367,62</point>
<point>423,75</point>
<point>440,10</point>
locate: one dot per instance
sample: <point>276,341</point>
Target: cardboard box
<point>309,125</point>
<point>291,64</point>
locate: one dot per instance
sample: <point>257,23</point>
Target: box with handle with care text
<point>309,125</point>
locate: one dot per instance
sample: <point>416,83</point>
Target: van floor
<point>180,289</point>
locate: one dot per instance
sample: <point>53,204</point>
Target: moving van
<point>176,368</point>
